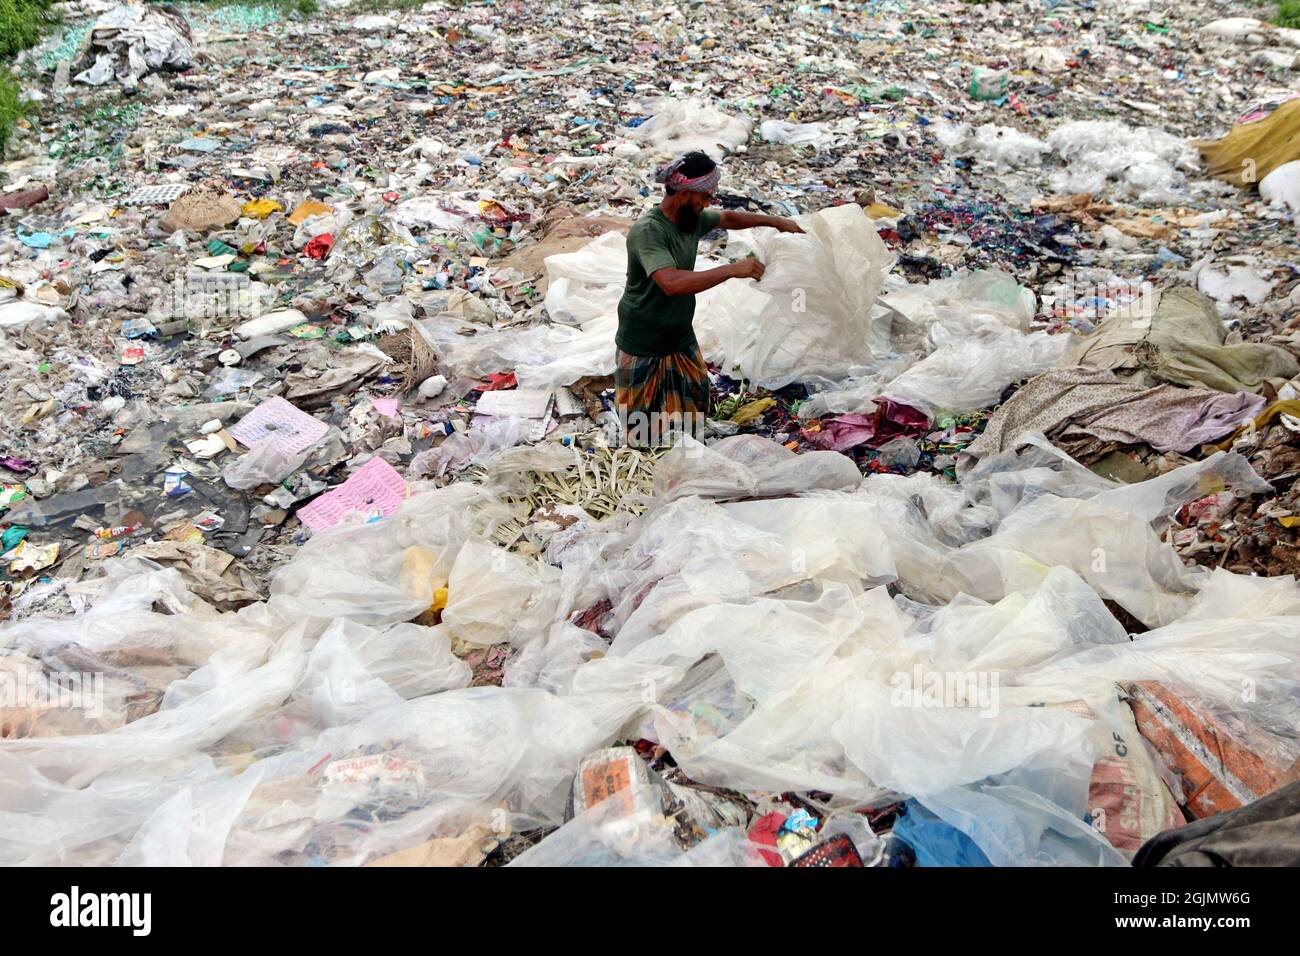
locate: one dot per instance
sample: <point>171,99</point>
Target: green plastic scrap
<point>986,84</point>
<point>68,46</point>
<point>868,94</point>
<point>241,16</point>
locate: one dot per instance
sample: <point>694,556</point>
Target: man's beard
<point>688,218</point>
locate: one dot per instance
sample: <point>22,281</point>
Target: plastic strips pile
<point>553,487</point>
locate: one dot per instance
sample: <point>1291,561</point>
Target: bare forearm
<point>736,219</point>
<point>689,282</point>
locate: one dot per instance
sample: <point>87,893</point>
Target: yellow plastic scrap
<point>1290,406</point>
<point>260,208</point>
<point>878,210</point>
<point>1290,521</point>
<point>184,533</point>
<point>36,411</point>
<point>418,565</point>
<point>30,557</point>
<point>306,209</point>
<point>752,410</point>
<point>1250,151</point>
<point>420,574</point>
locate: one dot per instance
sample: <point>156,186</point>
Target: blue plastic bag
<point>935,842</point>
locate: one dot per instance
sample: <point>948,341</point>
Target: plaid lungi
<point>657,395</point>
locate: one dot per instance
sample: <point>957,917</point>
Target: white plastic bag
<point>264,463</point>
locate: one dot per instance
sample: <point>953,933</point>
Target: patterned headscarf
<point>672,177</point>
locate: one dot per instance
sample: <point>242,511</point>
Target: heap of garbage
<point>322,543</point>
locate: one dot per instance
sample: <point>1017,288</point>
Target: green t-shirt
<point>650,322</point>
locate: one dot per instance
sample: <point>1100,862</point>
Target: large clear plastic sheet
<point>775,630</point>
<point>950,345</point>
<point>812,312</point>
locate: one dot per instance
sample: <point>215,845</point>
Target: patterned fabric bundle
<point>659,394</point>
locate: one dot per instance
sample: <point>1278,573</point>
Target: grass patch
<point>11,106</point>
<point>1288,14</point>
<point>21,24</point>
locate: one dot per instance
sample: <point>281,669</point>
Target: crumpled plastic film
<point>611,834</point>
<point>744,466</point>
<point>811,314</point>
<point>129,41</point>
<point>681,125</point>
<point>354,669</point>
<point>759,649</point>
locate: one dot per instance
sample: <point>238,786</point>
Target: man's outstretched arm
<point>689,282</point>
<point>735,219</point>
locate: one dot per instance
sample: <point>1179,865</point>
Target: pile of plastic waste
<point>322,543</point>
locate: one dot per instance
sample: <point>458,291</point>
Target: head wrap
<point>672,177</point>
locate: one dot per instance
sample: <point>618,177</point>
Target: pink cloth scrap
<point>890,420</point>
<point>294,430</point>
<point>1219,415</point>
<point>375,488</point>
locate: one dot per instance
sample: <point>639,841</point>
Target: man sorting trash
<point>661,382</point>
